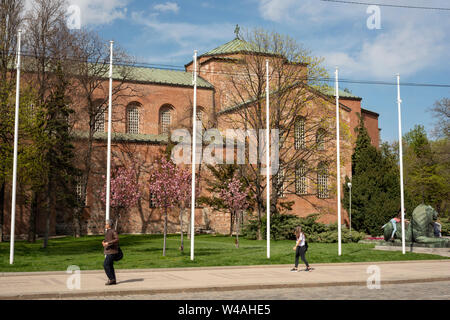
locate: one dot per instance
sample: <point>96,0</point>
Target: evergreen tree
<point>375,184</point>
<point>52,135</point>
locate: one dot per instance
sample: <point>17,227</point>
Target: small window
<point>300,134</point>
<point>301,186</point>
<point>133,120</point>
<point>280,182</point>
<point>320,139</point>
<point>322,181</point>
<point>152,200</point>
<point>100,122</point>
<point>79,190</point>
<point>199,115</point>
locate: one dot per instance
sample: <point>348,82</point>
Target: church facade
<point>159,101</point>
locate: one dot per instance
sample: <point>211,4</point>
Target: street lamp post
<point>350,203</point>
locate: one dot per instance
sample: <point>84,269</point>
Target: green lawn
<point>145,251</point>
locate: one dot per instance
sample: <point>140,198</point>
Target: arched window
<point>320,139</point>
<point>322,181</point>
<point>301,187</point>
<point>99,125</point>
<point>165,118</point>
<point>133,119</point>
<point>299,133</point>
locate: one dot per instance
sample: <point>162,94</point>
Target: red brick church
<point>141,124</point>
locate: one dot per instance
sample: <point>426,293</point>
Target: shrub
<point>445,222</point>
<point>282,227</point>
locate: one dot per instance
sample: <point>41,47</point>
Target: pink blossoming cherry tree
<point>235,198</point>
<point>125,192</point>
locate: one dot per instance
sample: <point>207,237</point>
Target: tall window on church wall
<point>133,120</point>
<point>165,119</point>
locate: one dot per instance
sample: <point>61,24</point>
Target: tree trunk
<point>165,231</point>
<point>77,223</point>
<point>259,234</point>
<point>181,229</point>
<point>2,206</point>
<point>189,229</point>
<point>237,229</point>
<point>33,217</point>
<point>48,210</point>
<point>118,215</point>
<point>231,223</point>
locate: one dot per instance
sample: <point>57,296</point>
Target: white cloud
<point>184,34</point>
<point>167,7</point>
<point>405,51</point>
<point>96,12</point>
<point>276,10</point>
<point>409,41</point>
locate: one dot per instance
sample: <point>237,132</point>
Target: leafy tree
<point>53,135</point>
<point>10,22</point>
<point>426,169</point>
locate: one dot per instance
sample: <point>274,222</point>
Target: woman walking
<point>300,249</point>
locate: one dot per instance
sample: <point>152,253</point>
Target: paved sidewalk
<point>40,285</point>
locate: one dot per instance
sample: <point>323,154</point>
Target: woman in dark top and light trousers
<point>300,249</point>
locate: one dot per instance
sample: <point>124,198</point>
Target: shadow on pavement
<point>131,280</point>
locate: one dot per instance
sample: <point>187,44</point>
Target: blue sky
<point>414,43</point>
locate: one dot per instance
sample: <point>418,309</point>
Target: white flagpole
<point>338,164</point>
<point>16,137</point>
<point>108,165</point>
<point>268,158</point>
<point>194,142</point>
<point>400,151</point>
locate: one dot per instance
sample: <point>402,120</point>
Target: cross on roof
<point>236,31</point>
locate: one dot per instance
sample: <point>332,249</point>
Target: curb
<point>103,293</point>
<point>18,274</point>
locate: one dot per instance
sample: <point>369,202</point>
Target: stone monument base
<point>430,248</point>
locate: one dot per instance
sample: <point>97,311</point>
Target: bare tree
<point>303,116</point>
<point>92,94</point>
<point>441,110</point>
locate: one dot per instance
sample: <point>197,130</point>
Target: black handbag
<point>119,255</point>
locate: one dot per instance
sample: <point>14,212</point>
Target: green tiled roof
<point>146,74</point>
<point>330,91</point>
<point>163,76</point>
<point>326,90</point>
<point>119,136</point>
<point>235,46</point>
